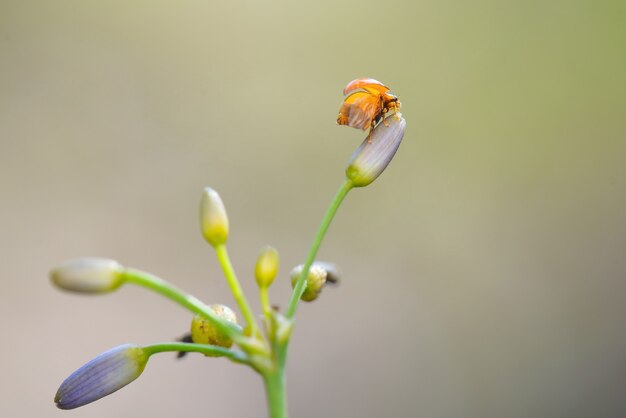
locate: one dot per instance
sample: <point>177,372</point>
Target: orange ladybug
<point>367,104</point>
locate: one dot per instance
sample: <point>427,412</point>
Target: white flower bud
<point>88,275</point>
<point>372,157</point>
<point>213,218</point>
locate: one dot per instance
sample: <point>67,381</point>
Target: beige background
<point>484,272</point>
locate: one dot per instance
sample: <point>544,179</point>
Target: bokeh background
<point>484,273</point>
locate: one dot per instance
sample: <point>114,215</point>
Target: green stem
<point>330,213</point>
<point>265,301</point>
<point>276,395</point>
<point>235,287</point>
<point>211,350</point>
<point>171,292</point>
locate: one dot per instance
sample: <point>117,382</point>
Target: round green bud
<point>213,218</point>
<point>371,158</point>
<point>314,282</point>
<point>266,267</point>
<point>88,275</point>
<point>204,331</point>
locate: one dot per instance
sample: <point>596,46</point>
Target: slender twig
<point>235,287</point>
<point>330,213</point>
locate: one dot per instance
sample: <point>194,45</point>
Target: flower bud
<point>105,374</point>
<point>371,158</point>
<point>266,267</point>
<point>213,218</point>
<point>204,331</point>
<point>314,282</point>
<point>88,275</point>
<point>332,271</point>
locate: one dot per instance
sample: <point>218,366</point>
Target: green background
<point>484,273</point>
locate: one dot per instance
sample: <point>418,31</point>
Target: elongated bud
<point>213,218</point>
<point>204,332</point>
<point>88,275</point>
<point>266,267</point>
<point>314,282</point>
<point>375,153</point>
<point>105,374</point>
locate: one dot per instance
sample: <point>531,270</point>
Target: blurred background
<point>484,273</point>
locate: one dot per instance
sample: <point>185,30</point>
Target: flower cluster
<point>215,330</point>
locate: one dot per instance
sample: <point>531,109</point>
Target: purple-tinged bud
<point>375,153</point>
<point>88,275</point>
<point>105,374</point>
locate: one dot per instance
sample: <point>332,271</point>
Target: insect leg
<point>383,110</point>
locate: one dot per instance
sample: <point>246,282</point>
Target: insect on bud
<point>105,374</point>
<point>205,332</point>
<point>88,275</point>
<point>213,218</point>
<point>371,158</point>
<point>266,267</point>
<point>315,281</point>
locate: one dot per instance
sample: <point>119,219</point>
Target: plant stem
<point>330,213</point>
<point>275,382</point>
<point>211,350</point>
<point>171,292</point>
<point>235,287</point>
<point>265,301</point>
<point>275,391</point>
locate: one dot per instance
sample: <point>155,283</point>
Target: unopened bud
<point>105,374</point>
<point>314,282</point>
<point>332,271</point>
<point>204,331</point>
<point>213,218</point>
<point>88,275</point>
<point>266,267</point>
<point>372,157</point>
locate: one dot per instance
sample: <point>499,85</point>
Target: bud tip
<point>213,218</point>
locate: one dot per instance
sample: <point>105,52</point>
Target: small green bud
<point>314,282</point>
<point>105,374</point>
<point>266,267</point>
<point>204,331</point>
<point>373,155</point>
<point>213,218</point>
<point>88,275</point>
